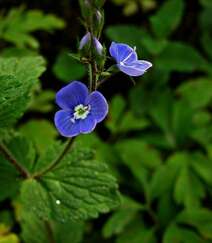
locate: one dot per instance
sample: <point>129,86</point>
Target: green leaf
<point>17,78</point>
<point>68,232</point>
<point>162,180</point>
<point>41,132</point>
<point>17,25</point>
<point>117,108</point>
<point>203,167</point>
<point>77,189</point>
<point>173,58</point>
<point>117,223</point>
<point>188,189</point>
<point>42,102</point>
<point>182,121</point>
<point>176,234</point>
<point>129,34</point>
<point>24,153</point>
<point>198,92</point>
<point>137,154</point>
<point>201,219</point>
<point>136,232</point>
<point>168,17</point>
<point>66,68</point>
<point>130,122</point>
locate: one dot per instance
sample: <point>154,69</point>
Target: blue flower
<point>81,111</point>
<point>86,40</point>
<point>127,60</point>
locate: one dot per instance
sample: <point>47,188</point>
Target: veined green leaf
<point>79,188</point>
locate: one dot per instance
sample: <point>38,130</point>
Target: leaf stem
<point>57,160</point>
<point>49,231</point>
<point>8,156</point>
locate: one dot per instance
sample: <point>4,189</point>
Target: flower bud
<point>86,44</point>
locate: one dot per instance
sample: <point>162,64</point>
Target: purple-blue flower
<point>86,39</point>
<point>127,60</point>
<point>80,111</point>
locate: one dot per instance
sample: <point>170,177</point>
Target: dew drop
<point>58,202</point>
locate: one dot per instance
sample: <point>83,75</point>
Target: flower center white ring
<point>80,112</point>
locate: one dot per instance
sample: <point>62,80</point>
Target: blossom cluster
<point>80,110</point>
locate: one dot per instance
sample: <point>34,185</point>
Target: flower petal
<point>137,68</point>
<point>144,64</point>
<point>64,124</point>
<point>99,106</point>
<point>85,39</point>
<point>88,124</point>
<point>98,46</point>
<point>72,95</point>
<point>123,53</point>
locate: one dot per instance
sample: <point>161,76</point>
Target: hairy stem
<point>90,77</point>
<point>57,160</point>
<point>49,231</point>
<point>8,156</point>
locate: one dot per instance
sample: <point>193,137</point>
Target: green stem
<point>90,77</point>
<point>57,160</point>
<point>49,231</point>
<point>8,156</point>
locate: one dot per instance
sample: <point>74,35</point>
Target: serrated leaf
<point>17,78</point>
<point>69,232</point>
<point>78,189</point>
<point>168,17</point>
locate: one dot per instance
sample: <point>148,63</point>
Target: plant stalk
<point>8,156</point>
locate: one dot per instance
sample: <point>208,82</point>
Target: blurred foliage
<point>158,139</point>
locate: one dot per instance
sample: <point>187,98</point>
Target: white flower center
<point>80,112</point>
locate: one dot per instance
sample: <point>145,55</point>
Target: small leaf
<point>168,17</point>
<point>66,68</point>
